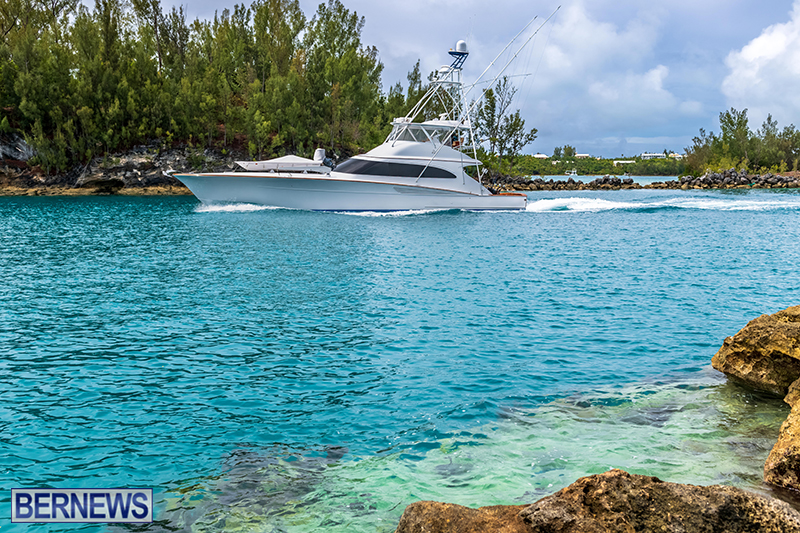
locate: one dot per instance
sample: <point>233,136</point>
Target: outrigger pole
<point>475,103</point>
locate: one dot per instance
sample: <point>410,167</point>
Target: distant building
<point>620,162</point>
<point>653,156</point>
<point>581,156</point>
<point>541,156</point>
<point>676,156</point>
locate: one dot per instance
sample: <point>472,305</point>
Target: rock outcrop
<point>435,517</point>
<point>765,354</point>
<point>615,502</point>
<point>782,467</point>
<point>140,170</point>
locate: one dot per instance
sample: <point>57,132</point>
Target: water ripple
<point>144,341</point>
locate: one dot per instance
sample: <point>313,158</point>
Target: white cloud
<point>765,74</point>
<point>599,78</point>
<point>608,71</point>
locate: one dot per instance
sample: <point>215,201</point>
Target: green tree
<point>493,111</point>
<point>80,81</point>
<point>736,134</point>
<point>277,25</point>
<point>505,131</point>
<point>343,77</point>
<point>513,138</point>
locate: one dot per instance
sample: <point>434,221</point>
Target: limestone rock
<point>782,467</point>
<point>765,354</point>
<point>614,502</point>
<point>101,183</point>
<point>435,517</point>
<point>619,502</point>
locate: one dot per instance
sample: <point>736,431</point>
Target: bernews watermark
<point>132,506</point>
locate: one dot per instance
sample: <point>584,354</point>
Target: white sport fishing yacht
<point>420,166</point>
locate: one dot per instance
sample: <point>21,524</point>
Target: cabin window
<point>383,168</point>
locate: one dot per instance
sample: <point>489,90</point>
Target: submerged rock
<point>615,502</point>
<point>435,517</point>
<point>765,354</point>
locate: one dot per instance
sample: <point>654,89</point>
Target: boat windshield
<point>414,132</point>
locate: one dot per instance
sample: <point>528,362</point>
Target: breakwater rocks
<point>730,179</point>
<point>765,355</point>
<point>614,502</point>
<point>515,183</point>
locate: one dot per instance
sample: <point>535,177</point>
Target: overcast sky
<point>609,77</point>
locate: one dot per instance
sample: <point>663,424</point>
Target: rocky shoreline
<point>764,355</point>
<point>140,172</point>
<point>730,179</point>
<point>614,502</point>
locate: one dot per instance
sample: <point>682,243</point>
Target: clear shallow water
<point>278,370</point>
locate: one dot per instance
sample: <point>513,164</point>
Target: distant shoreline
<point>729,179</point>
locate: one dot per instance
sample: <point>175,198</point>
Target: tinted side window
<point>383,168</point>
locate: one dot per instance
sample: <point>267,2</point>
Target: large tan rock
<point>765,354</point>
<point>782,467</point>
<point>614,502</point>
<point>619,502</point>
<point>435,517</point>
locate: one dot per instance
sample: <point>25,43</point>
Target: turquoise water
<point>275,370</point>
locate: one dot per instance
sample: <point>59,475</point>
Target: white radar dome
<point>461,46</point>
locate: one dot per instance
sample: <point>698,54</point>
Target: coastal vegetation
<point>503,130</point>
<point>768,149</point>
<point>79,83</point>
<point>528,165</point>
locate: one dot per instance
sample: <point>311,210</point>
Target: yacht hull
<point>325,193</point>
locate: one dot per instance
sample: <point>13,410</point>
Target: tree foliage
<point>503,130</point>
<point>591,166</point>
<point>737,146</point>
<point>80,81</point>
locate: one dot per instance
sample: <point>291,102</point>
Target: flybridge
<point>447,91</point>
